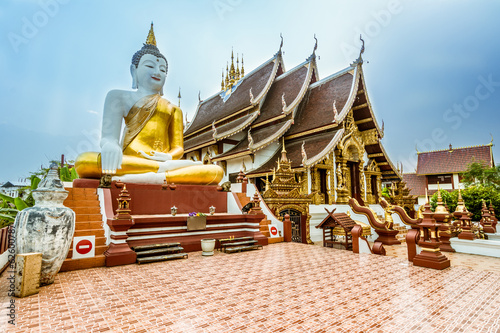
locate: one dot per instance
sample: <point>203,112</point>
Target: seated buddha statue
<point>152,142</point>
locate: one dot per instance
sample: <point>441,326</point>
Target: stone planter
<point>47,227</point>
<point>208,246</point>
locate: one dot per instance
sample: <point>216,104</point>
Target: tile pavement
<point>285,287</point>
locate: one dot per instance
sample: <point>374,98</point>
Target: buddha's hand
<point>156,156</point>
<point>111,158</point>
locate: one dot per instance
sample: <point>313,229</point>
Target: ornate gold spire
<point>151,40</point>
<point>179,97</point>
<point>233,73</point>
<point>284,159</point>
<point>222,82</point>
<point>237,67</point>
<point>243,71</point>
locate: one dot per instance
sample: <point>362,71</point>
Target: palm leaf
<point>7,198</point>
<point>20,203</point>
<point>7,217</point>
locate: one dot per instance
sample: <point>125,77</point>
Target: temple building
<point>445,167</point>
<point>301,139</point>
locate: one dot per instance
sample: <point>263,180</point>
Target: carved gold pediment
<point>370,137</point>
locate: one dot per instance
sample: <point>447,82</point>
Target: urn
<point>47,227</point>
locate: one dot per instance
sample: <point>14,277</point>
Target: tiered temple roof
<point>309,113</point>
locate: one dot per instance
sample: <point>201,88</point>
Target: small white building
<point>445,167</point>
<point>12,189</point>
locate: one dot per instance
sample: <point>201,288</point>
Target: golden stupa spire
<point>151,40</point>
<point>284,159</point>
<point>242,68</point>
<point>179,97</point>
<point>222,82</point>
<point>237,67</point>
<point>232,72</point>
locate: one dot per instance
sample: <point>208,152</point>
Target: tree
<point>477,173</point>
<point>449,198</point>
<point>473,198</point>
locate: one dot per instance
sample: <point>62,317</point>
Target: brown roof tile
<point>261,137</point>
<point>290,84</point>
<point>316,109</point>
<point>415,183</point>
<point>454,160</point>
<point>314,145</point>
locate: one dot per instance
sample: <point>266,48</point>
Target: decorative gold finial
<point>284,159</point>
<point>222,82</point>
<point>237,67</point>
<point>242,67</point>
<point>179,97</point>
<point>151,40</point>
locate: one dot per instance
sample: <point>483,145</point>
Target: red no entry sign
<point>84,246</point>
<point>274,231</point>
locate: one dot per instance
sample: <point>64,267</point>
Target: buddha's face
<point>151,73</point>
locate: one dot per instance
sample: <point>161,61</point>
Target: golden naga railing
<point>405,218</point>
<point>369,213</point>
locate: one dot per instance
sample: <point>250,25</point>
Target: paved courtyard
<point>285,287</point>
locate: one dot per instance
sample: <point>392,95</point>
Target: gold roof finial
<point>227,76</point>
<point>151,40</point>
<point>284,159</point>
<point>237,67</point>
<point>179,97</point>
<point>242,68</point>
<point>232,71</point>
<point>222,82</point>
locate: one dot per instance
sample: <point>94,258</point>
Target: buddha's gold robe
<point>152,124</point>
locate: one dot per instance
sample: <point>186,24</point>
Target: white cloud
<point>92,111</point>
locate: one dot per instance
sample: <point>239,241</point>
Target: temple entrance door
<point>296,225</point>
<point>374,188</point>
<point>323,184</point>
<point>355,186</point>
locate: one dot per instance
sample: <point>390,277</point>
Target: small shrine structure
<point>334,225</point>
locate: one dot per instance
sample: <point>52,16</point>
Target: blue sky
<point>431,67</point>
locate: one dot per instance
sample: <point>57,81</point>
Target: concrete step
<point>88,225</point>
<point>83,197</point>
<point>275,240</point>
<point>87,210</point>
<point>89,232</point>
<point>154,246</point>
<point>242,248</point>
<point>248,242</point>
<point>74,264</point>
<point>243,198</point>
<point>88,217</point>
<point>164,250</point>
<point>162,258</point>
<point>236,239</point>
<point>81,203</point>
